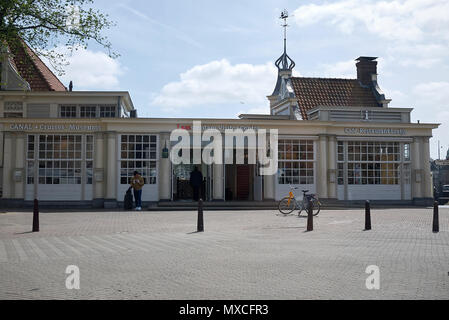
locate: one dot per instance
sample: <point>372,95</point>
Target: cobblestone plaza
<point>241,255</point>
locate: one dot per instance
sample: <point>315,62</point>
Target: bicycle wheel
<point>316,207</point>
<point>287,205</point>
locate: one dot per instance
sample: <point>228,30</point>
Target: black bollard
<point>36,216</point>
<point>436,220</point>
<point>309,216</point>
<point>367,215</point>
<point>200,225</point>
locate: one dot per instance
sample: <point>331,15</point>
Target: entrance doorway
<point>240,184</point>
<point>243,186</point>
<point>181,188</point>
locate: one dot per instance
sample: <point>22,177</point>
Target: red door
<point>243,182</point>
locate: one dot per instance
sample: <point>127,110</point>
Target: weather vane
<point>284,16</point>
<point>285,62</point>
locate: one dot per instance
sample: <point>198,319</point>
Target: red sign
<point>185,127</point>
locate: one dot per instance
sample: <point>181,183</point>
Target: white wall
<point>54,192</point>
<point>374,192</point>
<point>341,192</point>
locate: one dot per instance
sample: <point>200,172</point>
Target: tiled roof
<point>314,92</point>
<point>31,68</point>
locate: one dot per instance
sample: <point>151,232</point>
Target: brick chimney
<point>366,67</point>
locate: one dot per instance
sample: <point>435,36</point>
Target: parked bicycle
<point>288,204</point>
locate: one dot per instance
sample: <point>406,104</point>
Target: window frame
<point>365,165</point>
<point>137,158</point>
<point>102,110</point>
<point>58,165</point>
<point>109,110</point>
<point>296,161</point>
<point>84,112</point>
<point>64,114</point>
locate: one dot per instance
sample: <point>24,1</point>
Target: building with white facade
<point>338,138</point>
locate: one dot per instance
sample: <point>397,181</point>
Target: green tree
<point>45,24</point>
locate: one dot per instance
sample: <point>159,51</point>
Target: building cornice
<point>220,121</point>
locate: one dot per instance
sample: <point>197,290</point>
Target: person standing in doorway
<point>196,180</point>
<point>137,183</point>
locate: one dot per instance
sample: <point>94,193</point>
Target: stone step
<point>248,204</point>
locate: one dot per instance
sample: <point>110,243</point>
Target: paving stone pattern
<point>241,255</point>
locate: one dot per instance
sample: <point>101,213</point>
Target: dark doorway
<point>243,178</point>
<point>182,190</point>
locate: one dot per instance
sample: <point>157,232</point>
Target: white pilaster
<point>322,168</point>
<point>99,167</point>
<point>332,168</point>
<point>164,170</point>
<point>19,165</point>
<point>7,166</point>
<point>269,187</point>
<point>111,163</point>
<point>425,165</point>
<point>218,181</point>
<point>416,168</point>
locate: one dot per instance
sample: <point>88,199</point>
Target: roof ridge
<point>322,78</point>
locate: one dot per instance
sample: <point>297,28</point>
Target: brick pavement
<point>241,255</point>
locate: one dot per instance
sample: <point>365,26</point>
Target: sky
<point>210,58</point>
